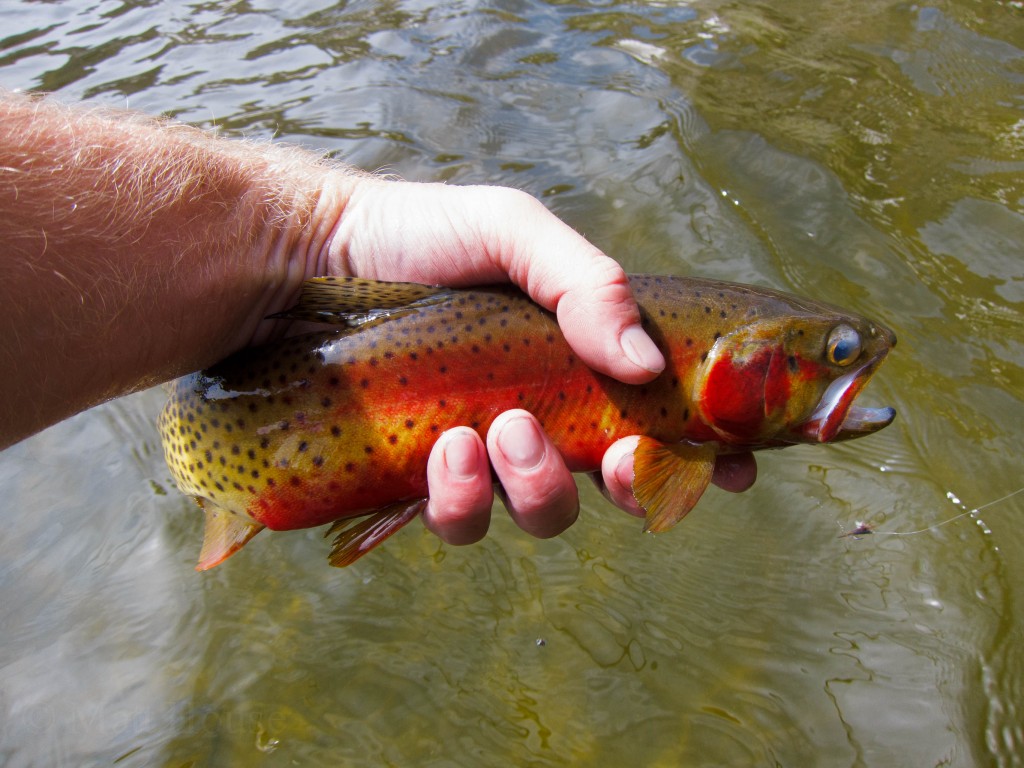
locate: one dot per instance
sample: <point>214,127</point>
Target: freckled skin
<point>334,424</point>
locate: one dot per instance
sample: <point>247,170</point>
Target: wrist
<point>298,205</point>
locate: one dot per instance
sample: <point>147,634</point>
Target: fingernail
<point>461,456</point>
<point>520,443</point>
<point>641,351</point>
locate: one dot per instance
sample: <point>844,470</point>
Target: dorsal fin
<point>353,300</point>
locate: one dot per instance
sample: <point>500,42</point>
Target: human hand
<point>456,236</point>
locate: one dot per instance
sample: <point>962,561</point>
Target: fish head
<point>792,379</point>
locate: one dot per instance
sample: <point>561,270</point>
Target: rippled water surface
<point>866,153</point>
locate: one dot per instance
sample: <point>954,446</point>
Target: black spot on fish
<point>794,366</point>
<point>393,439</point>
<point>318,461</point>
<point>409,423</point>
<point>303,446</point>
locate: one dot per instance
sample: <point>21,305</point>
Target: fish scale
<point>339,423</point>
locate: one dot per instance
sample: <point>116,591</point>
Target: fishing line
<point>863,528</point>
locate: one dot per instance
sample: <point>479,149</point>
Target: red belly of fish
<point>369,447</point>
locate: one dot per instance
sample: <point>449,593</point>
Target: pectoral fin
<point>358,535</point>
<point>668,480</point>
<point>225,533</point>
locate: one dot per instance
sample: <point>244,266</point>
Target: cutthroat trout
<point>336,426</point>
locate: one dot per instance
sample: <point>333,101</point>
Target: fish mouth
<point>838,418</point>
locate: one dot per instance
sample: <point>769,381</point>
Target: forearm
<point>134,251</point>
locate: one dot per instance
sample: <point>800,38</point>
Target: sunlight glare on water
<point>869,154</point>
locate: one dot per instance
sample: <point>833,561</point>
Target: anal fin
<point>668,480</point>
<point>225,533</point>
<point>358,535</point>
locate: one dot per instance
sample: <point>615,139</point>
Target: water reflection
<point>868,154</point>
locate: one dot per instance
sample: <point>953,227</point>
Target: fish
<point>335,425</point>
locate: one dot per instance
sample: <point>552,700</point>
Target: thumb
<point>600,319</point>
<point>588,291</point>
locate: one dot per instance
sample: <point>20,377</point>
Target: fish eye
<point>843,345</point>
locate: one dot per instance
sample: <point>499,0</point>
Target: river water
<point>866,153</point>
